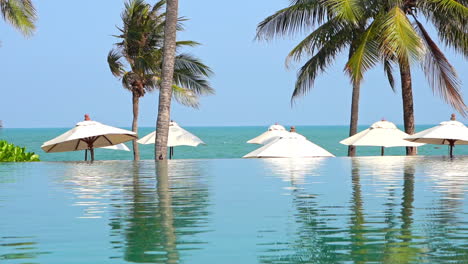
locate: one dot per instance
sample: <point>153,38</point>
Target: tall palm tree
<point>330,36</point>
<point>21,14</point>
<point>141,48</point>
<point>395,35</point>
<point>359,24</point>
<point>164,108</point>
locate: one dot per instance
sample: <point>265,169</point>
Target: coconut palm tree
<point>330,36</point>
<point>137,60</point>
<point>395,35</point>
<point>164,109</point>
<point>21,14</point>
<point>359,24</point>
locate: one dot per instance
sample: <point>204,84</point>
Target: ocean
<point>221,143</point>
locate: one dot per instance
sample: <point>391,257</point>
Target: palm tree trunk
<point>407,96</point>
<point>135,102</point>
<point>167,213</point>
<point>165,93</point>
<point>407,203</point>
<point>353,123</point>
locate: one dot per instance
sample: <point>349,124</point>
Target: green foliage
<point>137,58</point>
<point>12,153</point>
<point>375,32</point>
<point>21,14</point>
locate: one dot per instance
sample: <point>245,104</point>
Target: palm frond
<point>185,97</point>
<point>449,7</point>
<point>197,84</point>
<point>299,17</point>
<point>127,80</point>
<point>21,14</point>
<point>454,31</point>
<point>442,76</point>
<point>365,56</point>
<point>158,7</point>
<point>348,10</point>
<point>398,36</point>
<point>142,64</point>
<point>388,69</point>
<point>317,64</point>
<point>189,43</point>
<point>317,39</point>
<point>116,67</point>
<point>187,62</point>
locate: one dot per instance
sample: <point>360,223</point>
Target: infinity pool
<point>336,210</point>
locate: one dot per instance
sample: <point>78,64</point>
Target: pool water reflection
<point>340,210</point>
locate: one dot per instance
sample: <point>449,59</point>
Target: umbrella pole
<point>86,155</point>
<point>452,143</point>
<point>91,150</point>
<point>382,151</point>
<point>171,152</point>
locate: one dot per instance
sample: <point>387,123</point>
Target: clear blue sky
<point>60,73</point>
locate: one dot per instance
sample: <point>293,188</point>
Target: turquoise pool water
<point>331,210</point>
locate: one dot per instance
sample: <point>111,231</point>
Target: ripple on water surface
<point>324,210</point>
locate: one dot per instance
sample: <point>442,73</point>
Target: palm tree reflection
<point>390,244</point>
<point>400,246</point>
<point>357,231</point>
<point>151,220</point>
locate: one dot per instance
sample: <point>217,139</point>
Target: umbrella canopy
<point>446,133</point>
<point>273,132</point>
<point>442,134</point>
<point>381,134</point>
<point>293,145</point>
<point>88,135</point>
<point>177,137</point>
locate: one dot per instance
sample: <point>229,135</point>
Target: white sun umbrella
<point>446,133</point>
<point>293,145</point>
<point>87,135</point>
<point>382,134</point>
<point>274,131</point>
<point>177,137</point>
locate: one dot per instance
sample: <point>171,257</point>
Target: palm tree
<point>392,38</point>
<point>359,24</point>
<point>141,49</point>
<point>21,14</point>
<point>164,109</point>
<point>331,35</point>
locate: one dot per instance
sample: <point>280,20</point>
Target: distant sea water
<point>221,143</point>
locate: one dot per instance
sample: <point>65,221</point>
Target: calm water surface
<point>335,210</point>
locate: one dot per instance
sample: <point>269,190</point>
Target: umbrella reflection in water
<point>294,170</point>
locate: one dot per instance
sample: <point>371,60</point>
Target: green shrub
<point>12,153</point>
